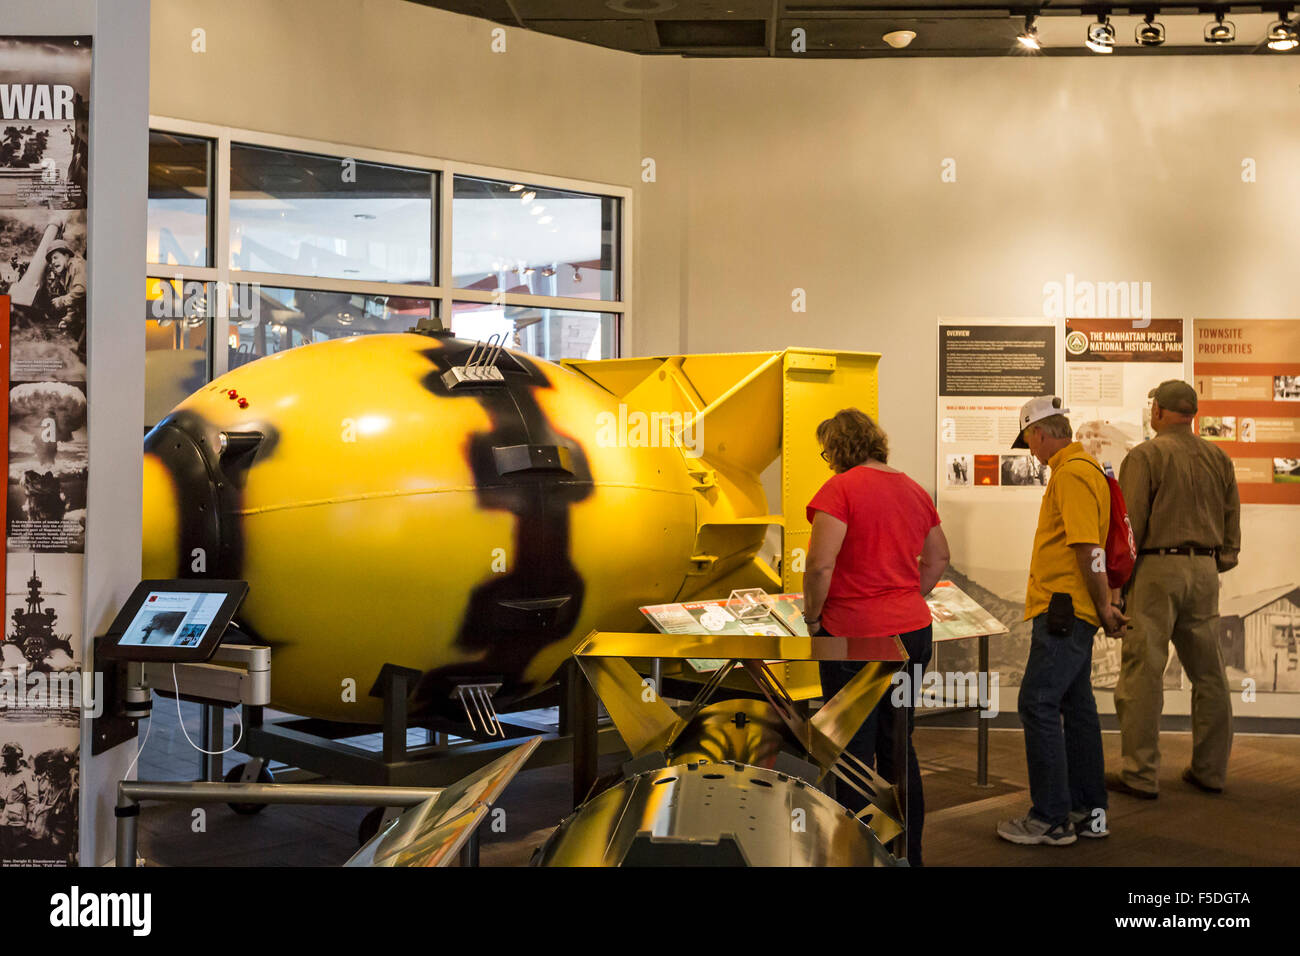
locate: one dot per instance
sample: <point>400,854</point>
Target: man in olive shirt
<point>1181,494</point>
<point>1067,599</point>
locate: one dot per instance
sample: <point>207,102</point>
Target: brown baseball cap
<point>1175,395</point>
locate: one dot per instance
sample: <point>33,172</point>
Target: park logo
<point>1076,343</point>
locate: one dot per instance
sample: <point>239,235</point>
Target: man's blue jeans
<point>1062,730</point>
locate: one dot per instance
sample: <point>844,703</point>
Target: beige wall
<point>825,176</point>
<point>394,75</point>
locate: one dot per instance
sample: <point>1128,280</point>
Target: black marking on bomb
<point>524,465</point>
<point>209,487</point>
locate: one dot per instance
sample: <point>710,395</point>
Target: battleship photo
<point>33,631</point>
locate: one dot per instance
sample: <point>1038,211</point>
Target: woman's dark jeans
<point>873,744</point>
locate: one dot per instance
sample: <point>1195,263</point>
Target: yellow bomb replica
<point>418,500</point>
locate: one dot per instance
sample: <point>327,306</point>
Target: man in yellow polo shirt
<point>1067,599</point>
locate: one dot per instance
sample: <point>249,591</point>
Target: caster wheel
<point>233,775</point>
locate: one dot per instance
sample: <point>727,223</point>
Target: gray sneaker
<point>1030,831</point>
<point>1090,823</point>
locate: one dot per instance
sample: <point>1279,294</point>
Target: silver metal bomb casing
<point>720,814</point>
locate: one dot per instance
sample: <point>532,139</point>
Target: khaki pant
<point>1173,597</point>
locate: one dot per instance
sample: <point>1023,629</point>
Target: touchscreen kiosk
<point>180,621</point>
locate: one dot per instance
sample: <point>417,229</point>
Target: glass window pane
<point>547,333</point>
<point>266,320</point>
<point>180,169</point>
<point>512,237</point>
<point>177,319</point>
<point>307,215</point>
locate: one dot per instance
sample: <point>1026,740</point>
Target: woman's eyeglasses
<point>825,457</point>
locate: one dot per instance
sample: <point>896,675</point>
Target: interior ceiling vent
<point>694,34</point>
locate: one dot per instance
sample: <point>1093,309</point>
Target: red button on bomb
<point>232,394</point>
<point>243,403</point>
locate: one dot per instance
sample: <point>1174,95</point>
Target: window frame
<point>441,290</point>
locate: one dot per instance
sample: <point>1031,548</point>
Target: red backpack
<point>1121,546</point>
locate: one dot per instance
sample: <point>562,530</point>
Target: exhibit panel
<point>988,493</point>
<point>1109,368</point>
<point>43,216</point>
<point>1245,372</point>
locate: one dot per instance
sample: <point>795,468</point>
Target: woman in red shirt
<point>876,550</point>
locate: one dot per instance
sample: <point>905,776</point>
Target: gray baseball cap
<point>1175,395</point>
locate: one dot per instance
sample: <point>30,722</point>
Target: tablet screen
<point>173,619</point>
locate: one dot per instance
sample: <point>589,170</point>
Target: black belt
<point>1203,552</point>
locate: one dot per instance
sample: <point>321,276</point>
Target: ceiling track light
<point>1282,34</point>
<point>1148,32</point>
<point>1220,31</point>
<point>1029,37</point>
<point>1101,35</point>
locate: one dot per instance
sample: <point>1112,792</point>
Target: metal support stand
<point>581,707</point>
<point>393,686</point>
<point>902,736</point>
<point>981,723</point>
<point>212,733</point>
<point>319,747</point>
<point>469,852</point>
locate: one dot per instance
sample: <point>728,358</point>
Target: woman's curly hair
<point>850,438</point>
